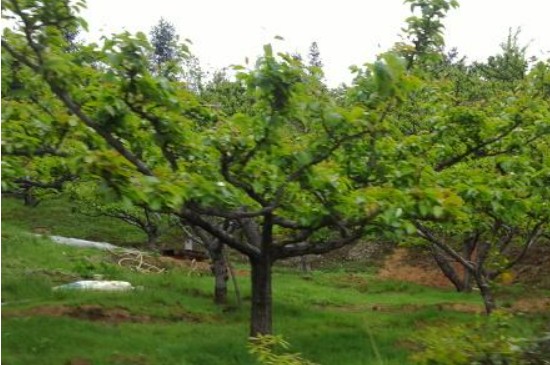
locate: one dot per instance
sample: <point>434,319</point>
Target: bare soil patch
<point>86,312</point>
<point>528,305</point>
<point>418,267</point>
<point>125,359</point>
<point>78,361</point>
<point>97,313</point>
<point>41,230</point>
<point>404,266</point>
<point>109,315</point>
<point>532,305</point>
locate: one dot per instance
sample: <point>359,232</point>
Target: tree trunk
<point>29,198</point>
<point>467,252</point>
<point>218,263</point>
<point>304,264</point>
<point>261,310</point>
<point>467,281</point>
<point>219,269</point>
<point>448,270</point>
<point>152,237</point>
<point>486,292</point>
<point>235,281</point>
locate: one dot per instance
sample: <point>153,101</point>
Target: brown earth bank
<point>531,305</point>
<point>417,266</point>
<point>98,313</point>
<point>413,266</point>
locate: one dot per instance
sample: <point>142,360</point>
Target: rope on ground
<point>135,260</point>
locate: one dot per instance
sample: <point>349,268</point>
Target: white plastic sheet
<point>100,285</point>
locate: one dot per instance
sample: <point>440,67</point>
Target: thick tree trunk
<point>219,269</point>
<point>261,310</point>
<point>486,292</point>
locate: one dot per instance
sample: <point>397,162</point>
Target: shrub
<point>273,350</point>
<point>488,341</point>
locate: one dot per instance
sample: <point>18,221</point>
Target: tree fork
<point>447,269</point>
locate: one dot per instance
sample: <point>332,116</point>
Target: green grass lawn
<point>329,317</point>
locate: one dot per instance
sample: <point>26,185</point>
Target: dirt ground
<point>418,267</point>
<point>400,266</point>
<point>98,313</point>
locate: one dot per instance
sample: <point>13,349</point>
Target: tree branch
<point>533,236</point>
<point>76,110</point>
<point>196,220</point>
<point>157,126</point>
<point>475,149</point>
<point>229,214</point>
<point>40,151</point>
<point>428,236</point>
<point>109,138</point>
<point>306,248</point>
<point>225,161</point>
<point>56,184</point>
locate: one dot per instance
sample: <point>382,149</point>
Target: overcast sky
<point>348,32</point>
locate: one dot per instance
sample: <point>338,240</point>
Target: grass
<point>329,317</point>
<point>56,217</point>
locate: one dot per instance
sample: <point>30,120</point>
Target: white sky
<point>348,32</point>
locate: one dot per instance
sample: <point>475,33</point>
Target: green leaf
<point>437,211</point>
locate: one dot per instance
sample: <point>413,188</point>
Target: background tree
<point>424,39</point>
<point>315,62</point>
<point>193,75</point>
<point>315,56</point>
<point>168,53</point>
<point>495,119</point>
<point>465,127</point>
<point>505,215</point>
<point>88,199</point>
<point>219,263</point>
<point>226,96</point>
<point>510,65</point>
<point>172,59</point>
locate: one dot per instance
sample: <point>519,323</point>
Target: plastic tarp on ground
<point>100,285</point>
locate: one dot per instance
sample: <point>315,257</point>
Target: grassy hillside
<point>330,317</point>
<point>56,217</point>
